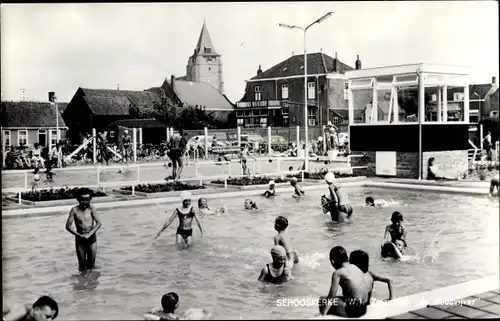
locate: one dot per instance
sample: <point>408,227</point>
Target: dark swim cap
<point>281,222</point>
<point>396,217</point>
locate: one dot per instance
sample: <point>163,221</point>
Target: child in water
<point>394,247</point>
<point>298,192</point>
<point>276,272</point>
<point>270,190</point>
<point>337,202</point>
<point>362,261</point>
<point>280,225</point>
<point>250,205</point>
<point>369,201</point>
<point>204,209</point>
<point>169,303</point>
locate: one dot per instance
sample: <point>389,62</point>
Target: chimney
<point>172,81</point>
<point>293,53</point>
<point>358,63</point>
<point>259,71</point>
<point>118,87</point>
<point>493,80</point>
<point>52,96</point>
<point>335,63</point>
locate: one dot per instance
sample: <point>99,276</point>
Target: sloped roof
<point>481,89</point>
<point>138,123</point>
<point>29,114</point>
<point>294,66</point>
<point>204,41</point>
<point>118,102</point>
<point>201,94</point>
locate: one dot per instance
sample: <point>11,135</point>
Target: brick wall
<point>450,163</point>
<point>407,165</point>
<point>359,161</point>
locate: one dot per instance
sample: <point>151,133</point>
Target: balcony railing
<point>258,103</point>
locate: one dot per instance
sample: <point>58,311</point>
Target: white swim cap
<point>272,183</point>
<point>329,123</point>
<point>329,177</point>
<point>185,196</point>
<point>126,131</point>
<point>36,177</point>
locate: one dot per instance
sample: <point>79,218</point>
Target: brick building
<point>275,97</point>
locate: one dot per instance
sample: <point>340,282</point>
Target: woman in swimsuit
<point>276,272</point>
<point>397,233</point>
<point>186,214</point>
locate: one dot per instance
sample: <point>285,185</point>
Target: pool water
<point>456,235</point>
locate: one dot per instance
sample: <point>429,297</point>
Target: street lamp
<point>306,115</point>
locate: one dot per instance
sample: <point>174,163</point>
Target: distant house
<point>98,108</point>
<point>201,94</point>
<point>275,97</point>
<point>29,122</point>
<point>152,130</point>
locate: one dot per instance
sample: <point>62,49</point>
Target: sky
<point>60,47</point>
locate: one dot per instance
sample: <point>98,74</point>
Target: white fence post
<point>481,136</point>
<point>26,180</point>
<point>133,189</point>
<point>94,149</point>
<point>269,149</point>
<point>50,140</point>
<point>298,138</point>
<point>206,142</point>
<point>171,131</point>
<point>140,136</point>
<point>4,156</point>
<point>302,172</point>
<point>324,140</point>
<point>239,136</point>
<point>195,169</point>
<point>167,131</point>
<point>134,138</point>
<point>20,199</point>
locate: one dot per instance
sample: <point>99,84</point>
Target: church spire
<point>204,45</point>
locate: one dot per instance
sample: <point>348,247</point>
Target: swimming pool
<point>459,233</point>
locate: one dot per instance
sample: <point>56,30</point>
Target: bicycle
<point>160,151</point>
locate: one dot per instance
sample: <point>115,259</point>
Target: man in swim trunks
<point>186,215</point>
<point>177,147</point>
<point>280,225</point>
<point>87,222</point>
<point>243,155</point>
<point>355,288</point>
<point>277,272</point>
<point>338,200</point>
<point>44,309</point>
<point>397,232</point>
<point>493,185</point>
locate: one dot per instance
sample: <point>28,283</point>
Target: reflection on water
<point>221,274</point>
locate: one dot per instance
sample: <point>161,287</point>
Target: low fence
<point>141,169</point>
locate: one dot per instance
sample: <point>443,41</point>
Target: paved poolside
<point>481,306</point>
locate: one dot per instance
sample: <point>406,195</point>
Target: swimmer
<point>169,303</point>
<point>369,201</point>
<point>493,185</point>
<point>397,232</point>
<point>298,192</point>
<point>204,209</point>
<point>280,225</point>
<point>270,190</point>
<point>186,214</point>
<point>362,261</point>
<point>355,289</point>
<point>45,308</point>
<point>250,205</point>
<point>277,272</point>
<point>338,202</point>
<point>84,215</point>
<point>244,153</point>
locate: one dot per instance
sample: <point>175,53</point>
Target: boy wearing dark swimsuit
<point>355,288</point>
<point>276,272</point>
<point>84,215</point>
<point>186,215</point>
<point>44,309</point>
<point>397,233</point>
<point>338,203</point>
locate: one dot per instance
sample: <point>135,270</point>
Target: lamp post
<point>306,115</point>
<point>479,109</point>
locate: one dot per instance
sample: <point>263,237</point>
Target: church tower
<point>205,64</point>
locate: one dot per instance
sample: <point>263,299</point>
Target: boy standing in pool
<point>397,233</point>
<point>298,192</point>
<point>87,222</point>
<point>280,225</point>
<point>186,215</point>
<point>339,202</point>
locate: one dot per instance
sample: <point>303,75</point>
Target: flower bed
<point>246,181</point>
<point>161,188</point>
<point>57,194</point>
<point>320,175</point>
<point>481,172</point>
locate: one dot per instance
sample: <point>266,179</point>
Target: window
<point>285,111</point>
<point>6,138</point>
<point>263,112</point>
<point>312,117</point>
<point>263,122</point>
<point>112,134</point>
<point>285,121</point>
<point>42,137</point>
<point>239,122</point>
<point>54,137</point>
<point>239,113</point>
<point>311,90</point>
<point>284,91</point>
<point>258,93</point>
<point>458,96</point>
<point>346,90</point>
<point>22,137</point>
<point>208,51</point>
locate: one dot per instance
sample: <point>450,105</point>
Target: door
<point>42,137</point>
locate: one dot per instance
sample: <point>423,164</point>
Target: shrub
<point>56,194</point>
<point>168,187</point>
